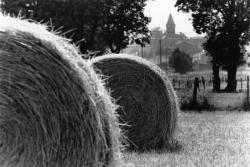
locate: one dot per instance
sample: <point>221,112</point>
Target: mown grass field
<point>219,139</point>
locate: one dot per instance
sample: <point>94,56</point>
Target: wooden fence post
<point>196,87</point>
<point>247,90</point>
<point>213,82</point>
<point>241,83</point>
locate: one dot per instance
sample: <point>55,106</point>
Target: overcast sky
<point>159,11</point>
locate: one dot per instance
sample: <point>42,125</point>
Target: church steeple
<point>170,25</point>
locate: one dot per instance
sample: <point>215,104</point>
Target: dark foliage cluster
<point>95,25</point>
<point>181,61</point>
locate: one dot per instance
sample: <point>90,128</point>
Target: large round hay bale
<point>148,102</point>
<point>54,109</point>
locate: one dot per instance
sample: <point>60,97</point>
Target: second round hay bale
<point>148,101</point>
<point>54,110</point>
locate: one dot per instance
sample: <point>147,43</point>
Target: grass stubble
<point>220,139</point>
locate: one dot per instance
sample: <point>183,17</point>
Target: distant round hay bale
<point>54,109</point>
<point>148,101</point>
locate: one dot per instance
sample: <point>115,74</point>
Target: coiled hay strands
<point>148,101</point>
<point>54,109</point>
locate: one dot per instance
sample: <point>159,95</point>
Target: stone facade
<point>162,44</point>
<point>171,40</point>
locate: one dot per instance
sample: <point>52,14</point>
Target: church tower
<point>170,26</point>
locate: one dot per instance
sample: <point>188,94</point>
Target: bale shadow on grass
<point>174,146</point>
<point>200,105</point>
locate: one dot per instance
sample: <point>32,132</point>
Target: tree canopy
<point>226,23</point>
<point>181,61</point>
<point>126,23</point>
<point>93,24</point>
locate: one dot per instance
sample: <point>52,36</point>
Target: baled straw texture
<point>54,110</point>
<point>148,102</point>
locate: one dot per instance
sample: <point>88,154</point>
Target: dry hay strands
<point>54,109</point>
<point>148,102</point>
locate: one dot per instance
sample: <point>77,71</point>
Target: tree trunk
<point>231,82</point>
<point>234,58</point>
<point>216,80</point>
<point>93,34</point>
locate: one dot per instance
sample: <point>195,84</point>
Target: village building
<point>162,44</point>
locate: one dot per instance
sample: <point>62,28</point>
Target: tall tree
<point>223,20</point>
<point>93,24</point>
<point>181,61</point>
<point>125,24</point>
